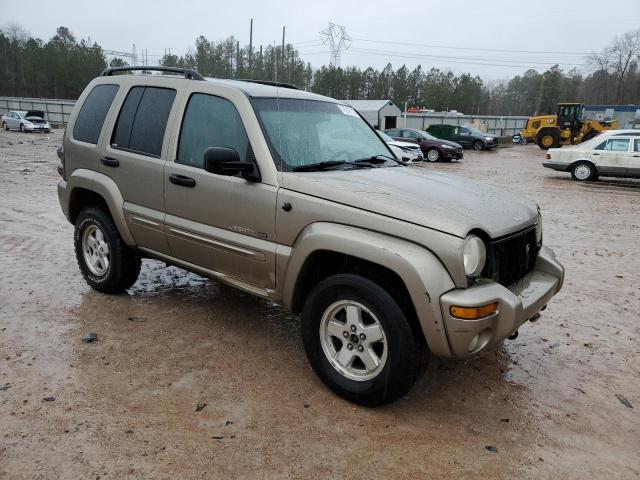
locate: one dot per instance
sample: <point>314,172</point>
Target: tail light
<point>61,171</point>
<point>548,156</point>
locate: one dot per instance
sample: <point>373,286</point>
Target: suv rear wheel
<point>358,340</point>
<point>106,262</point>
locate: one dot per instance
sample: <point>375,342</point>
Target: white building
<point>379,113</point>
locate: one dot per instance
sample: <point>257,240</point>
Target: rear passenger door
<point>134,158</point>
<point>612,157</point>
<point>223,223</point>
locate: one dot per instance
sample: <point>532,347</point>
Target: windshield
<point>385,137</point>
<point>304,132</point>
<point>473,130</point>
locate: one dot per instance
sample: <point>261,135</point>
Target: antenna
<point>337,39</point>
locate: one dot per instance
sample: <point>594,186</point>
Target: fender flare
<point>423,274</point>
<point>109,191</point>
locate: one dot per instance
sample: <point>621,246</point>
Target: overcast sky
<point>400,32</point>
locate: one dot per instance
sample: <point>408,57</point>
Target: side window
<point>636,145</point>
<point>601,146</point>
<point>464,131</point>
<point>93,112</point>
<point>210,121</point>
<point>618,145</point>
<point>393,132</point>
<point>143,120</point>
<point>409,134</point>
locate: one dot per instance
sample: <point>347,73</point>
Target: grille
<point>510,258</point>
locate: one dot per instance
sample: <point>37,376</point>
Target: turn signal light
<point>473,313</point>
<point>548,156</point>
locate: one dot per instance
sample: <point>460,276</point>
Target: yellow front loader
<point>565,128</point>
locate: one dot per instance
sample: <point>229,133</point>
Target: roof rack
<point>271,84</point>
<point>188,73</point>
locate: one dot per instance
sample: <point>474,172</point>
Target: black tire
<point>433,155</point>
<point>22,128</point>
<point>5,126</point>
<point>478,145</point>
<point>547,139</point>
<point>584,172</point>
<point>406,356</point>
<point>124,262</point>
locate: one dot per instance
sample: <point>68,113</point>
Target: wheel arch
<point>413,274</point>
<point>86,188</point>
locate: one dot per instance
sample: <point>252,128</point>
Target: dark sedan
<point>433,148</point>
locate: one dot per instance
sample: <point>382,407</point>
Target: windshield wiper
<point>377,159</point>
<point>325,165</point>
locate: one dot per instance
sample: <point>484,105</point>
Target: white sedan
<point>405,151</point>
<point>614,153</point>
<point>25,121</point>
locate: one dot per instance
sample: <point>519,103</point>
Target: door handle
<point>636,155</point>
<point>110,162</point>
<point>595,154</point>
<point>181,180</point>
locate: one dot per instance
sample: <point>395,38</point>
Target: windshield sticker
<point>347,110</point>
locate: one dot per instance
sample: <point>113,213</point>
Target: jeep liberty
<point>294,197</point>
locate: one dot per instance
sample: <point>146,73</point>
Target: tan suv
<point>294,197</point>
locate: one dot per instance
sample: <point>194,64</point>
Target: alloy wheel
<point>353,340</point>
<point>95,250</point>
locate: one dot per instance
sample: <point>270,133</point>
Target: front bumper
<point>38,128</point>
<point>560,167</point>
<point>452,154</point>
<point>516,305</point>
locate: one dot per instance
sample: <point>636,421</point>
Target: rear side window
<point>93,112</point>
<point>143,120</point>
<point>618,145</point>
<point>636,145</point>
<point>210,121</point>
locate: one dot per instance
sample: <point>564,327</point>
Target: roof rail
<point>188,73</point>
<point>272,84</point>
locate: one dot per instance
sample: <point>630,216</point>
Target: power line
<point>472,59</point>
<point>471,48</point>
<point>444,60</point>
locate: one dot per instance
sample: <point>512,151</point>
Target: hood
<point>450,143</point>
<point>401,144</point>
<point>443,202</point>
<point>35,113</point>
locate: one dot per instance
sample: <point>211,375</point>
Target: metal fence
<point>494,124</point>
<point>55,111</point>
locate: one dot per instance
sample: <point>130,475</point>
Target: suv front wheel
<point>106,262</point>
<point>358,340</point>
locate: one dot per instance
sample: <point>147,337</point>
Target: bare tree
<point>16,32</point>
<point>616,62</point>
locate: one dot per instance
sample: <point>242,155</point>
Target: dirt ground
<point>125,405</point>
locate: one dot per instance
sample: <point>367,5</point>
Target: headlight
<point>539,229</point>
<point>489,139</point>
<point>474,255</point>
<point>446,146</point>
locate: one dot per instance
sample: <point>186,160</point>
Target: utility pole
<point>251,49</point>
<point>336,37</point>
<point>282,52</point>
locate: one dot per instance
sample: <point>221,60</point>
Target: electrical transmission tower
<point>336,37</point>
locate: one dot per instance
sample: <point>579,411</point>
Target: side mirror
<point>226,161</point>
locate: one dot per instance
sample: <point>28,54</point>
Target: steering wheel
<point>337,154</point>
